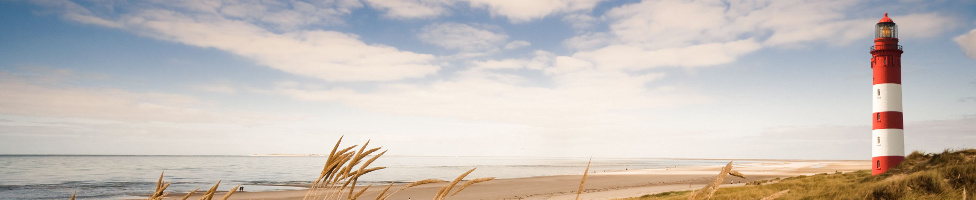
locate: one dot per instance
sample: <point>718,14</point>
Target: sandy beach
<point>600,185</point>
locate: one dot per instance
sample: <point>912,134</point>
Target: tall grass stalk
<point>447,189</point>
<point>710,188</point>
<point>380,196</point>
<point>210,193</point>
<point>583,180</point>
<point>187,196</point>
<point>776,195</point>
<point>472,182</point>
<point>231,192</point>
<point>414,184</point>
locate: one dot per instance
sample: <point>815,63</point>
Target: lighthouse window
<point>879,93</point>
<point>878,116</point>
<point>879,141</point>
<point>879,164</point>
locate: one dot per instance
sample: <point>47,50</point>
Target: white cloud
<point>685,23</point>
<point>463,37</point>
<point>517,44</point>
<point>411,8</point>
<point>663,24</point>
<point>278,15</point>
<point>49,97</point>
<point>628,57</point>
<point>588,41</point>
<point>217,88</point>
<point>327,55</point>
<point>71,11</point>
<point>922,25</point>
<point>580,21</point>
<point>578,96</point>
<point>523,11</point>
<point>968,43</point>
<point>541,60</point>
<point>565,65</point>
<point>667,24</point>
<point>680,33</point>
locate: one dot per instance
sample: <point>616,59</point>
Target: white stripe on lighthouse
<point>892,142</point>
<point>886,97</point>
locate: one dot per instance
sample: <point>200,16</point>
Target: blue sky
<point>702,79</point>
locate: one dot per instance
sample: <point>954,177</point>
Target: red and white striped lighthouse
<point>887,132</point>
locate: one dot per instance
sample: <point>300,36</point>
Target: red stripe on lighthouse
<point>884,74</point>
<point>888,120</point>
<point>880,164</point>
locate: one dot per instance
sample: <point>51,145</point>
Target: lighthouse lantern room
<point>888,136</point>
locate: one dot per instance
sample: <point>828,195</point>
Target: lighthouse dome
<point>886,28</point>
<point>885,19</point>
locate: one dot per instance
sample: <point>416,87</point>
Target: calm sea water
<point>117,177</point>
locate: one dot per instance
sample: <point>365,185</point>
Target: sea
<point>134,176</point>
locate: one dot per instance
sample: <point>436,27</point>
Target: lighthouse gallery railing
<point>886,47</point>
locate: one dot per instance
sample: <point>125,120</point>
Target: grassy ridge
<point>921,176</point>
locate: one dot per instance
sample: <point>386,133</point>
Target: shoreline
<point>599,185</point>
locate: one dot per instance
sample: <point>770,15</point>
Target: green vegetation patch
<point>921,176</point>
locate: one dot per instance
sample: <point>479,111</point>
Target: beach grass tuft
<point>344,167</point>
<point>160,189</point>
<point>161,193</point>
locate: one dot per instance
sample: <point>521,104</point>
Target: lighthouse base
<point>881,164</point>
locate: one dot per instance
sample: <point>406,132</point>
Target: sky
<point>548,78</point>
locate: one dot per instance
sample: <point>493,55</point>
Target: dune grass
<point>336,176</point>
<point>946,175</point>
<point>160,192</point>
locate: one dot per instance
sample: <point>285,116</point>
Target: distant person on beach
<point>242,188</point>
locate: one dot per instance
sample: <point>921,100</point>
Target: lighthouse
<point>887,130</point>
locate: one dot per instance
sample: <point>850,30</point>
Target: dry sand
<point>600,185</point>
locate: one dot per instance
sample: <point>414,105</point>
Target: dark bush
<point>887,192</point>
<point>961,176</point>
